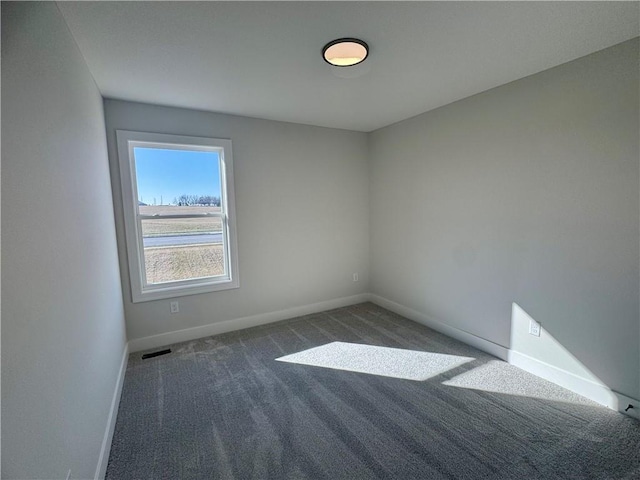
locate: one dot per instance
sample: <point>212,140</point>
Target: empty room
<point>320,240</point>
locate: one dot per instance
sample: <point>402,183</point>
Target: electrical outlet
<point>175,308</point>
<point>534,328</point>
<point>355,277</point>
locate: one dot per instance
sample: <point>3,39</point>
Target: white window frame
<point>141,291</point>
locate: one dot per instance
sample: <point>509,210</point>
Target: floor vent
<point>156,354</point>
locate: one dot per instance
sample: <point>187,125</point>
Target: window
<point>177,194</point>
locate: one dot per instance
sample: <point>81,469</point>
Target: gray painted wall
<point>527,193</point>
<point>302,215</point>
<point>63,332</point>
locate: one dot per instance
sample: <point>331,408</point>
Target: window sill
<point>174,291</point>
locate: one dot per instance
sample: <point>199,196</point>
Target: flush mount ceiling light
<point>345,52</point>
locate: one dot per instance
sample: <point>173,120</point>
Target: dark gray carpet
<point>223,407</point>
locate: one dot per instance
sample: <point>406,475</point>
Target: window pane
<point>182,178</point>
<point>180,182</point>
<point>182,248</point>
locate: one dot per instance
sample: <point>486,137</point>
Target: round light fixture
<point>345,52</point>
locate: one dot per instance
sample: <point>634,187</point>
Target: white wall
<point>527,193</point>
<point>63,331</point>
<point>302,215</point>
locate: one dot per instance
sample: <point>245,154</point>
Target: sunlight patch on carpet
<point>375,360</point>
<point>499,377</point>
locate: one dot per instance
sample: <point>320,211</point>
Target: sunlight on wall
<point>375,360</point>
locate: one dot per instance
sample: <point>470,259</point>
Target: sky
<point>171,173</point>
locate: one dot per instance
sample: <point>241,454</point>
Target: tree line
<point>197,200</point>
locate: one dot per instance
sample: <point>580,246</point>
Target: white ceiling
<point>264,59</point>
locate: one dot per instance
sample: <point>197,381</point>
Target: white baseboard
<point>580,385</point>
<point>597,392</point>
<point>101,469</point>
<point>465,337</point>
<point>155,341</point>
<point>583,386</point>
